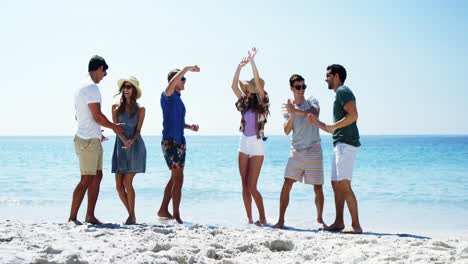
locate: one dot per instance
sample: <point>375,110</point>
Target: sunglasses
<point>299,87</point>
<point>183,79</point>
<point>127,86</point>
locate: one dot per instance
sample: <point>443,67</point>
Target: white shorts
<point>344,156</point>
<point>252,146</point>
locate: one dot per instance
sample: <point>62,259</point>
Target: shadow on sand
<point>171,224</point>
<point>289,228</point>
<point>108,226</point>
<point>162,224</point>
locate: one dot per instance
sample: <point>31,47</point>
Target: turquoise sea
<point>404,184</point>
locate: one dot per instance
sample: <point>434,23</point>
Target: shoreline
<point>299,216</point>
<point>194,243</point>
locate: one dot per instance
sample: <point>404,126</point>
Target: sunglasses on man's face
<point>299,87</point>
<point>183,79</point>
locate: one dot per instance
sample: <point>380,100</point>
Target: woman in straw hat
<point>129,155</point>
<point>253,105</point>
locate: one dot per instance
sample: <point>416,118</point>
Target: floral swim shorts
<point>174,154</point>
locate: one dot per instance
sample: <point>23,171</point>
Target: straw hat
<point>250,86</point>
<point>134,81</point>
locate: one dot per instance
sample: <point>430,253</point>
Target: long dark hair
<point>253,104</point>
<point>133,105</point>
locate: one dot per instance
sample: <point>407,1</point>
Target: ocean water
<point>404,184</point>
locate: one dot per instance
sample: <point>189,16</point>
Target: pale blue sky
<point>406,62</point>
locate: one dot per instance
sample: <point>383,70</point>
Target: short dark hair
<point>171,74</point>
<point>338,69</point>
<point>95,62</point>
<point>295,78</point>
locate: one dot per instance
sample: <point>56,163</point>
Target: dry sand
<point>153,243</point>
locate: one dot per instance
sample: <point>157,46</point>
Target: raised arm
<point>172,83</point>
<point>235,81</point>
<point>258,84</point>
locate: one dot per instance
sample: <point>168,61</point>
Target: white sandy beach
<point>152,243</point>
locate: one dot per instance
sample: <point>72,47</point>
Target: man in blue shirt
<point>173,140</point>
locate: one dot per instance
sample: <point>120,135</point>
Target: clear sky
<point>406,60</point>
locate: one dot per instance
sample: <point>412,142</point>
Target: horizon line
<point>224,135</point>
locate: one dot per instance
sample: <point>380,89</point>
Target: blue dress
<point>133,159</point>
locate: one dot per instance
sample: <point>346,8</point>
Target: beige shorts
<point>89,153</point>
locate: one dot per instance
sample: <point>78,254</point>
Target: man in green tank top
<point>346,143</point>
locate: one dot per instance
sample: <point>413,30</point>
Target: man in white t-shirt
<point>88,139</point>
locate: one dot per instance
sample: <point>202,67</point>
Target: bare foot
<point>260,222</point>
<point>93,220</point>
<point>334,227</point>
<point>250,221</point>
<point>280,225</point>
<point>165,214</point>
<point>130,221</point>
<point>75,221</point>
<point>353,230</point>
<point>321,225</point>
<point>177,218</point>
